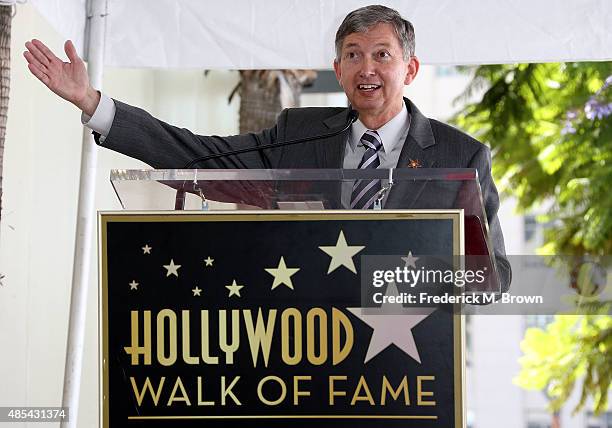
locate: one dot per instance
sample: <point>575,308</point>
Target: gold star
<point>196,291</point>
<point>342,254</point>
<point>234,289</point>
<point>146,249</point>
<point>172,268</point>
<point>414,163</point>
<point>133,285</point>
<point>282,274</point>
<point>208,261</point>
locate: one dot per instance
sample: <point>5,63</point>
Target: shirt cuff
<point>103,117</point>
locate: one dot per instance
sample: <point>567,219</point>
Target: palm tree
<point>264,93</point>
<point>6,15</point>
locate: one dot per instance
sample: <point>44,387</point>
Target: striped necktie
<point>365,192</point>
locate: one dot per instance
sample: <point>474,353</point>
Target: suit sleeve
<point>138,134</point>
<point>482,162</point>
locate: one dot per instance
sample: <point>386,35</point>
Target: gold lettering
<point>386,386</point>
<point>206,357</point>
<point>421,393</point>
<point>332,392</point>
<point>135,350</point>
<point>161,331</point>
<point>200,402</point>
<point>260,336</point>
<point>362,385</point>
<point>280,398</point>
<point>178,385</point>
<point>229,349</point>
<point>340,319</point>
<point>296,316</point>
<point>314,359</point>
<point>225,391</point>
<point>187,339</point>
<point>296,388</point>
<point>147,387</point>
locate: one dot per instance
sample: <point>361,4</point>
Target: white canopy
<point>243,34</point>
<point>270,34</point>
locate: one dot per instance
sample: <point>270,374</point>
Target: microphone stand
<point>181,193</point>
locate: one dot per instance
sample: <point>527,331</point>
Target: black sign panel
<point>218,319</point>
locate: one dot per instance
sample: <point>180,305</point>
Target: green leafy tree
<point>572,348</point>
<point>550,130</point>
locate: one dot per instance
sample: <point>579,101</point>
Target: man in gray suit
<point>374,61</point>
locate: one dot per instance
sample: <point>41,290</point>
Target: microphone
<point>352,117</point>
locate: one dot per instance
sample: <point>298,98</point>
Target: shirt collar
<point>390,132</point>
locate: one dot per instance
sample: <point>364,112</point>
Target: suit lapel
<point>330,153</point>
<point>419,146</point>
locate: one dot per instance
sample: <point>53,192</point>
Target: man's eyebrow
<point>351,45</point>
<point>381,44</point>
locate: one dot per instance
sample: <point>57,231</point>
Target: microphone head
<point>353,115</point>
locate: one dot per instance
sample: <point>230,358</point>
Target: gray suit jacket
<point>136,133</point>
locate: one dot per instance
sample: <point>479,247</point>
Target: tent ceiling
<point>241,34</point>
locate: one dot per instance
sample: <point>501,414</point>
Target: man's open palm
<point>69,80</point>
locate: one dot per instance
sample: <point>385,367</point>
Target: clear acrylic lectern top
<point>270,189</point>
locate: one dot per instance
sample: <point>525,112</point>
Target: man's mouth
<point>368,87</point>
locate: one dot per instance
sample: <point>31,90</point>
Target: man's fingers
<point>71,51</point>
<point>39,74</point>
<point>45,50</point>
<point>37,53</point>
<point>32,60</point>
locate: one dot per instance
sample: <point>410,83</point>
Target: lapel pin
<point>414,163</point>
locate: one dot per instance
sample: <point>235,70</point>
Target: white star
<point>392,324</point>
<point>410,260</point>
<point>234,289</point>
<point>342,254</point>
<point>282,274</point>
<point>146,249</point>
<point>172,268</point>
<point>208,261</point>
<point>134,285</point>
<point>196,291</point>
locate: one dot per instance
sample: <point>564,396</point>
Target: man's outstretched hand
<point>69,80</point>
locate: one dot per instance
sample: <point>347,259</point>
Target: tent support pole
<point>85,224</point>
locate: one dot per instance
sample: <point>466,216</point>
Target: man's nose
<point>368,68</point>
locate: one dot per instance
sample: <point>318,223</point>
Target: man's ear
<point>412,69</point>
<point>337,71</point>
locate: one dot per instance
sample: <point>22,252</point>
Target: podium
<point>254,297</point>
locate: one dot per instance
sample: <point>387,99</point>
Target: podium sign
<point>254,318</point>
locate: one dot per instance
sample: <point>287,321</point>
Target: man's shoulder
<point>450,138</point>
<point>313,113</point>
<point>443,132</point>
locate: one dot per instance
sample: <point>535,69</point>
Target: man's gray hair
<point>362,19</point>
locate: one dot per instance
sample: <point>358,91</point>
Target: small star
<point>146,249</point>
<point>208,261</point>
<point>196,291</point>
<point>133,285</point>
<point>414,163</point>
<point>172,268</point>
<point>234,289</point>
<point>342,254</point>
<point>282,274</point>
<point>410,260</point>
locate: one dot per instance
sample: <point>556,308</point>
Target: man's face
<point>372,72</point>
